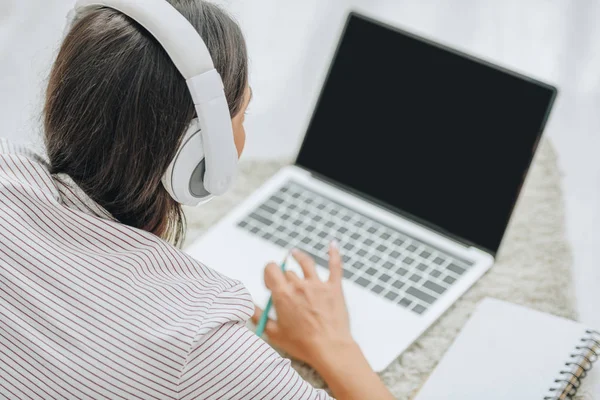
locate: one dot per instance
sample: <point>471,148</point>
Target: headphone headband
<point>215,150</point>
<point>172,30</point>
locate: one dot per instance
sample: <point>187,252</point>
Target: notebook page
<point>504,352</point>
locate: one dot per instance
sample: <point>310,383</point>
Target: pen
<point>262,323</point>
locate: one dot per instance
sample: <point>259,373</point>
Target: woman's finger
<point>257,313</point>
<point>271,329</point>
<point>336,269</point>
<point>292,277</point>
<point>274,277</point>
<point>306,263</point>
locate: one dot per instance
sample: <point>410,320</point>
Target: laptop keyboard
<point>389,263</point>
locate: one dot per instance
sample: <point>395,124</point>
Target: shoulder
<point>22,169</point>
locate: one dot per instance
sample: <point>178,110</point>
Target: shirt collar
<point>75,198</point>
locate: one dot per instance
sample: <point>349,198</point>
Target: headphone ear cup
<point>184,177</point>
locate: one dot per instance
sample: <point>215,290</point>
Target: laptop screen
<point>427,131</point>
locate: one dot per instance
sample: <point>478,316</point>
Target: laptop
<point>413,160</point>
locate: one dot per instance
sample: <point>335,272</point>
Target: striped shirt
<point>91,308</point>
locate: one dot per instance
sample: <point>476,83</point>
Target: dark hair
<point>117,107</point>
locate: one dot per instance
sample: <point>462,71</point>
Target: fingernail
<point>294,251</point>
<point>335,245</point>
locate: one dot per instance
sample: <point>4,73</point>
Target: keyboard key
<point>292,207</point>
<point>319,246</point>
<point>449,280</point>
<point>438,260</point>
<point>254,230</point>
<point>415,278</point>
<point>361,252</point>
<point>456,269</point>
<point>276,199</point>
<point>385,236</point>
<point>388,265</point>
<point>360,223</point>
<point>419,309</point>
<point>295,195</point>
<point>394,254</point>
<point>348,246</point>
<point>281,243</point>
<point>358,265</point>
<point>398,242</point>
<point>267,236</point>
<point>346,218</point>
<point>320,206</point>
<point>355,236</point>
<point>374,258</point>
<point>368,242</point>
<point>435,273</point>
<point>243,224</point>
<point>322,235</point>
<point>345,258</point>
<point>371,271</point>
<point>420,295</point>
<point>411,248</point>
<point>306,240</point>
<point>329,224</point>
<point>377,289</point>
<point>421,267</point>
<point>398,284</point>
<point>391,296</point>
<point>318,259</point>
<point>435,287</point>
<point>362,281</point>
<point>334,212</point>
<point>297,222</point>
<point>425,254</point>
<point>261,219</point>
<point>304,212</point>
<point>409,260</point>
<point>348,274</point>
<point>281,228</point>
<point>317,218</point>
<point>285,217</point>
<point>384,277</point>
<point>372,229</point>
<point>381,248</point>
<point>310,228</point>
<point>402,271</point>
<point>342,230</point>
<point>405,302</point>
<point>294,234</point>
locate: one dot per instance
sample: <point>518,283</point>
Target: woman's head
<point>117,107</point>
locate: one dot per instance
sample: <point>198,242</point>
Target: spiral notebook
<point>507,352</point>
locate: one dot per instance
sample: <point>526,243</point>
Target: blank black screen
<point>426,130</point>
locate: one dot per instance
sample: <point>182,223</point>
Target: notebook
<point>507,351</point>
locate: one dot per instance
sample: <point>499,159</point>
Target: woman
<point>96,300</point>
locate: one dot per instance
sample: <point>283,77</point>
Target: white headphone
<point>206,162</point>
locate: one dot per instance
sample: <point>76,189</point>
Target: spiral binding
<point>582,361</point>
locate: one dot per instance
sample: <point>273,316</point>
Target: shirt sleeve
<point>228,361</point>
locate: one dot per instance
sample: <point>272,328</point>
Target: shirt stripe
<point>94,309</point>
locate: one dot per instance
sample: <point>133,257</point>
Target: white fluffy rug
<point>533,268</point>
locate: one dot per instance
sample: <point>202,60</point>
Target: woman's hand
<point>312,319</point>
<point>313,326</point>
